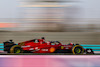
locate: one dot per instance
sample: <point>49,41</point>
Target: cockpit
<point>55,42</point>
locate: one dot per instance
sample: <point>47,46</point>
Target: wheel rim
<point>78,50</point>
<point>17,50</point>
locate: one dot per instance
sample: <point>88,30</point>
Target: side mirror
<point>11,40</point>
<point>43,38</point>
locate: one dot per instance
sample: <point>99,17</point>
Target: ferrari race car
<point>40,46</point>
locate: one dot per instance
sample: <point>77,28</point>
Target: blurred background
<point>67,21</point>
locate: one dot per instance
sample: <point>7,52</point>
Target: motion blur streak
<point>44,6</point>
<point>50,15</point>
<point>7,25</point>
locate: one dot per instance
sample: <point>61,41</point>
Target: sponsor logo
<point>31,49</point>
<point>62,47</point>
<point>66,48</point>
<point>44,49</point>
<point>24,46</point>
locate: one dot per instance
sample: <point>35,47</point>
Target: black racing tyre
<point>16,49</point>
<point>77,49</point>
<point>77,44</point>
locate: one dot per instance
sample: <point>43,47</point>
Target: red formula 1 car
<point>40,46</point>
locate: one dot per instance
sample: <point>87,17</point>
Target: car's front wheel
<point>77,49</point>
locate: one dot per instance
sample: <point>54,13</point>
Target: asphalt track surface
<point>43,54</point>
<point>5,53</point>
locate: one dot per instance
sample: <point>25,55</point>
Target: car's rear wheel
<point>77,49</point>
<point>16,49</point>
